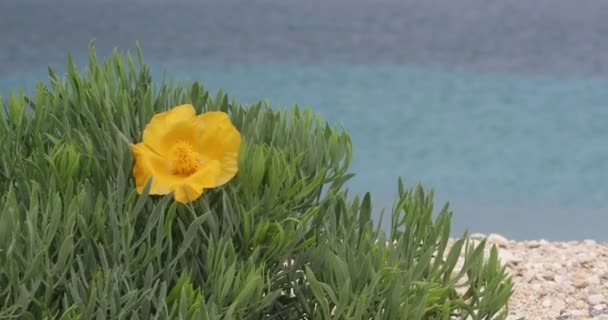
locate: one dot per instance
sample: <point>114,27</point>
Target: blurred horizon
<point>539,37</point>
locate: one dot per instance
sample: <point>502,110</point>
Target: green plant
<point>283,240</point>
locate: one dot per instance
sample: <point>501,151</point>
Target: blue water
<point>501,107</point>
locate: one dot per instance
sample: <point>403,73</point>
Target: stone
<point>585,259</point>
<point>549,275</point>
<point>573,314</point>
<point>598,311</point>
<point>477,236</point>
<point>599,308</point>
<point>498,240</point>
<point>581,281</point>
<point>507,257</point>
<point>536,267</point>
<point>557,305</point>
<point>589,242</point>
<point>595,299</point>
<point>594,280</point>
<point>580,304</point>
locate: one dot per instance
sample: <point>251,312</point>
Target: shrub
<point>282,240</point>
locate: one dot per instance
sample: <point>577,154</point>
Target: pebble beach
<point>555,280</point>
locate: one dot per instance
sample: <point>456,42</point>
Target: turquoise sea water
<point>523,156</point>
<point>502,107</point>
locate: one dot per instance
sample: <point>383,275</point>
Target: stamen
<point>185,159</point>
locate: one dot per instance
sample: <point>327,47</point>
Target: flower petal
<point>206,176</point>
<point>184,131</point>
<point>194,185</point>
<point>229,168</point>
<point>218,139</point>
<point>185,193</point>
<point>163,123</point>
<point>149,165</point>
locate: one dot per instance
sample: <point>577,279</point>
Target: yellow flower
<point>185,154</point>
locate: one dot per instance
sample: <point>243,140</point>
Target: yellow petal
<point>228,169</point>
<point>149,165</point>
<point>163,123</point>
<point>183,131</point>
<point>186,193</point>
<point>194,185</point>
<point>217,139</point>
<point>206,176</point>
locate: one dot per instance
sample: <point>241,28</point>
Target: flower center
<point>185,160</point>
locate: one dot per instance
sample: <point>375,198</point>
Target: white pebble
<point>595,299</point>
<point>477,236</point>
<point>498,240</point>
<point>590,242</point>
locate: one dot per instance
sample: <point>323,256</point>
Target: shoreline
<point>559,280</point>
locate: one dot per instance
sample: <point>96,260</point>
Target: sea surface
<point>501,107</point>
